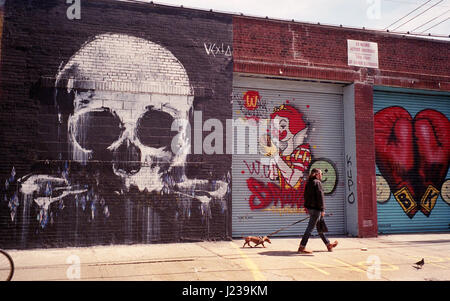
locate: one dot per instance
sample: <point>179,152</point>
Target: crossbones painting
<point>122,106</point>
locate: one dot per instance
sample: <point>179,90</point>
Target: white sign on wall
<point>362,54</point>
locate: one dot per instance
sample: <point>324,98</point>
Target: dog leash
<point>288,226</point>
<point>299,221</point>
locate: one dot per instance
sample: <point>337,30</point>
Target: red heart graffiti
<point>413,155</point>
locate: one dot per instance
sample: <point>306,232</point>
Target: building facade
<point>127,122</point>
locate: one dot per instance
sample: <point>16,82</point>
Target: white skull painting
<point>130,102</point>
<point>134,91</point>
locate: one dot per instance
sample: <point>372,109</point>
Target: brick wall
<point>290,49</point>
<point>85,106</point>
<point>365,155</point>
<point>60,78</point>
<point>316,51</point>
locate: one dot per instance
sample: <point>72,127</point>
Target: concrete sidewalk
<point>387,257</point>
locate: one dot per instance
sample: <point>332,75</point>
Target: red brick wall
<point>320,52</point>
<point>365,157</point>
<point>291,49</point>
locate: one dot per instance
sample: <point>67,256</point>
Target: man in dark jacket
<point>314,202</point>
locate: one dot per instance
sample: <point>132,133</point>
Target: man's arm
<point>320,196</point>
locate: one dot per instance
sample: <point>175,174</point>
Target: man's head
<point>316,173</point>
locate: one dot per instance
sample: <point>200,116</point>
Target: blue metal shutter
<point>410,198</point>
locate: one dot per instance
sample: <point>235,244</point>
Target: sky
<point>371,14</point>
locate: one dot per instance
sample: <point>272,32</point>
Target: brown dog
<point>257,240</point>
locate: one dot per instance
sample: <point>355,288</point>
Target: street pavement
<point>384,258</point>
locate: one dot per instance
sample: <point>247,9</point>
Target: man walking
<point>314,202</point>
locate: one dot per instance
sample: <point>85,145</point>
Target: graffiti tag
<point>263,195</point>
<point>217,49</point>
<point>257,168</point>
<point>351,195</point>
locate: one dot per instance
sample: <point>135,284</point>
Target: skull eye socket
<point>154,129</point>
<point>98,129</point>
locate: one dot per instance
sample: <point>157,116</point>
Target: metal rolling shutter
<point>322,108</point>
<point>404,188</point>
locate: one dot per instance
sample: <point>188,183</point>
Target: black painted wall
<point>51,68</point>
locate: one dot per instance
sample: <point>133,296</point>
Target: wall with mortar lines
<point>38,38</point>
<point>319,53</point>
<point>55,194</point>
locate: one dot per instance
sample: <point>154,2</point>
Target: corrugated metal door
<point>412,141</point>
<point>268,194</point>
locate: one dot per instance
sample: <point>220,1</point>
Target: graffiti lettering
<point>255,168</point>
<point>405,199</point>
<point>351,195</point>
<point>251,100</point>
<point>252,105</point>
<point>244,217</point>
<point>263,195</point>
<point>285,211</point>
<point>429,200</point>
<point>213,49</point>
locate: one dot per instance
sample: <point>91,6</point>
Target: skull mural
<point>127,116</point>
<point>123,103</point>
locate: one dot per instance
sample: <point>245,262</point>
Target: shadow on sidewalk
<point>283,253</point>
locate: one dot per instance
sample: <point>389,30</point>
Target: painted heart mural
<point>413,155</point>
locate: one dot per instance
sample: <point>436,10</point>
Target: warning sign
<point>362,54</point>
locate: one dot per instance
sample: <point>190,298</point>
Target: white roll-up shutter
<point>260,205</point>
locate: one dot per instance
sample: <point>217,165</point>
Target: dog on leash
<point>257,240</point>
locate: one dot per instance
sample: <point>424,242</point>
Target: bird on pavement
<point>418,265</point>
